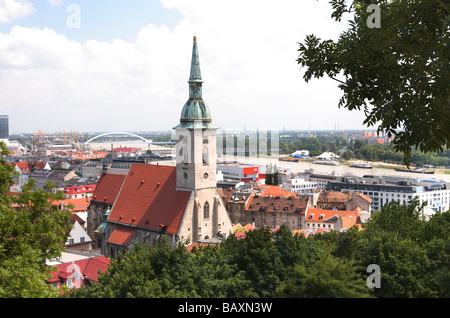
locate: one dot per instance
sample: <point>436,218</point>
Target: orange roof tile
<point>148,199</point>
<point>348,218</point>
<point>22,165</point>
<point>80,204</point>
<point>108,187</point>
<point>274,190</point>
<point>122,235</point>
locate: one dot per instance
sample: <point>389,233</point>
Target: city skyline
<point>106,66</point>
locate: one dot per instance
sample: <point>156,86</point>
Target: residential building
<point>77,270</point>
<point>78,240</point>
<point>321,179</point>
<point>274,211</point>
<point>236,201</point>
<point>335,200</point>
<point>41,177</point>
<point>332,220</point>
<point>59,178</point>
<point>75,192</point>
<point>94,168</point>
<point>300,186</point>
<point>23,169</point>
<point>41,165</point>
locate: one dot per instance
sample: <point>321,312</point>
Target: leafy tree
<point>168,271</point>
<point>412,253</point>
<point>347,155</point>
<point>30,234</point>
<point>280,264</point>
<point>397,73</point>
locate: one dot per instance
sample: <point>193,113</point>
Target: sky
<point>123,65</point>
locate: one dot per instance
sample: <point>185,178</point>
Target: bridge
<point>129,134</point>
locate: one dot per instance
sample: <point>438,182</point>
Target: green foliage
<point>398,73</point>
<point>169,271</point>
<point>412,255</point>
<point>29,234</point>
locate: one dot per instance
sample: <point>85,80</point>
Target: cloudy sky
<point>123,65</point>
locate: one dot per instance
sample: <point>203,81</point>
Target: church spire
<point>195,112</point>
<point>196,76</point>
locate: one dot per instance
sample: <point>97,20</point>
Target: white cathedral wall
<point>201,228</point>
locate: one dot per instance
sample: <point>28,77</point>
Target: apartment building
<point>385,189</point>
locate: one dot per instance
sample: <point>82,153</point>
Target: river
<point>338,170</point>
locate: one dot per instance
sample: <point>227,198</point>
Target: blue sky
<point>103,20</point>
<point>126,66</point>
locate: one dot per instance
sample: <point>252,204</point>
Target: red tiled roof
<point>88,267</point>
<point>317,215</point>
<point>108,187</point>
<point>148,199</point>
<point>80,204</point>
<point>349,218</point>
<point>93,265</point>
<point>22,165</point>
<point>273,190</point>
<point>122,235</point>
<point>80,189</point>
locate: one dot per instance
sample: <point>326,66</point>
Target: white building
<point>300,186</point>
<point>241,172</point>
<point>436,195</point>
<point>321,179</point>
<point>79,239</point>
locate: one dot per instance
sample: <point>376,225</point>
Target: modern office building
<point>385,189</point>
<point>4,127</point>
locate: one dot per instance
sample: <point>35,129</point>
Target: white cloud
<point>247,55</point>
<point>11,10</point>
<point>55,2</point>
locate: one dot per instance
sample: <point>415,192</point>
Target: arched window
<point>205,156</point>
<point>206,211</point>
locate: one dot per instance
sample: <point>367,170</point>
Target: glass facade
<point>4,127</point>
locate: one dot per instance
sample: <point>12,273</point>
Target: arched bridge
<point>117,133</point>
<point>129,134</point>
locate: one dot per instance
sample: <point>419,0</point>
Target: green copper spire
<point>196,76</point>
<point>195,113</point>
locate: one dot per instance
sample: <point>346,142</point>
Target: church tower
<point>195,137</point>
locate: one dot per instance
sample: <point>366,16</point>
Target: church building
<point>179,202</point>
